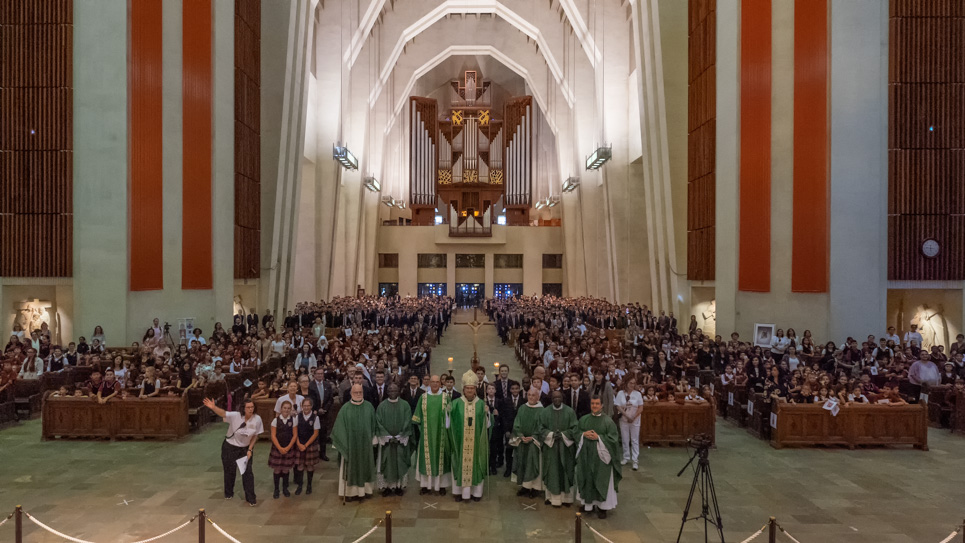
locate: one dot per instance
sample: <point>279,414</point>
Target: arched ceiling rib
<point>375,7</point>
<point>464,50</point>
<point>458,7</point>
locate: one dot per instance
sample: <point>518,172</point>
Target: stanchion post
<point>772,530</point>
<point>579,528</point>
<point>18,524</point>
<point>388,527</point>
<point>201,520</point>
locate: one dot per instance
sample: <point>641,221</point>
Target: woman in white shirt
<point>792,360</point>
<point>779,344</point>
<point>278,347</point>
<point>32,368</point>
<point>628,403</point>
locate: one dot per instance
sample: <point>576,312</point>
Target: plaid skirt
<point>309,457</point>
<point>282,462</point>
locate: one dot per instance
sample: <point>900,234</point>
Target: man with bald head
<point>353,437</point>
<point>432,458</point>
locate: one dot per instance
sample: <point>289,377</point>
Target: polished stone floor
<point>126,491</point>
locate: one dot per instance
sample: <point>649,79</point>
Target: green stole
<point>592,474</point>
<point>352,437</point>
<point>470,449</point>
<point>559,430</point>
<point>393,419</point>
<point>430,416</point>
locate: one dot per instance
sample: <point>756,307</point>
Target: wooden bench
<point>675,423</point>
<point>811,424</point>
<point>79,417</point>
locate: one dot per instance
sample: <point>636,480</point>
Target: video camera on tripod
<point>700,442</point>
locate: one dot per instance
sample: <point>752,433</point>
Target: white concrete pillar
<point>859,167</point>
<point>100,169</point>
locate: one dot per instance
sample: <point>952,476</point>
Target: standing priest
<point>393,423</point>
<point>526,439</point>
<point>469,425</point>
<point>353,437</point>
<point>559,430</point>
<point>432,456</point>
<point>597,468</point>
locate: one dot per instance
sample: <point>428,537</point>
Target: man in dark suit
<point>507,416</point>
<point>368,393</point>
<point>412,391</point>
<point>321,393</point>
<point>577,398</point>
<point>503,383</point>
<point>381,389</point>
<point>265,318</point>
<point>496,446</point>
<point>449,389</point>
<point>252,321</point>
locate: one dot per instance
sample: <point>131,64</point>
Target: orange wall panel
<point>810,236</point>
<point>754,268</point>
<point>196,242</point>
<point>146,190</point>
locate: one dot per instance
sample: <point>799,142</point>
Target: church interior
<point>729,232</point>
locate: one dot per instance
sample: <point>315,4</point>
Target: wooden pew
<point>958,418</point>
<point>163,417</point>
<point>759,419</point>
<point>676,423</point>
<point>266,410</point>
<point>811,424</point>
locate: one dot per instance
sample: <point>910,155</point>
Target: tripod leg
<point>713,496</point>
<point>690,499</point>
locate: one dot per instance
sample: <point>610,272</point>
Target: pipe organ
<point>469,160</point>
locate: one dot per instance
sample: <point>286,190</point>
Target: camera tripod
<point>708,496</point>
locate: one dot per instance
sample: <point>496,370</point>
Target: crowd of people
<point>605,348</point>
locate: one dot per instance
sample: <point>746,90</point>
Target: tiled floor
<point>124,491</point>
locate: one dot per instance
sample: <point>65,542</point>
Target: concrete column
<point>100,169</point>
<point>727,164</point>
<point>489,281</point>
<point>859,167</point>
<point>451,274</point>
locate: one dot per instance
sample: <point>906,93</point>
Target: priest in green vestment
<point>393,423</point>
<point>432,457</point>
<point>526,439</point>
<point>353,437</point>
<point>559,430</point>
<point>597,468</point>
<point>468,427</point>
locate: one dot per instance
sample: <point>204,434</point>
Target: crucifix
<point>475,325</point>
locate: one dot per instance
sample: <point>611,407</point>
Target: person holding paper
<point>238,447</point>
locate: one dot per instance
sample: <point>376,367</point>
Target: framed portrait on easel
<point>763,333</point>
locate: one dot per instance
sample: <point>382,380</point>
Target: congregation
<point>362,368</point>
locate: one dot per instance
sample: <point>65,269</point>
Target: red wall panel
<point>147,195</point>
<point>811,223</point>
<point>754,268</point>
<point>196,248</point>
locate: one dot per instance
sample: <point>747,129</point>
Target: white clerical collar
<point>560,408</point>
<point>537,404</point>
<point>393,401</point>
<point>357,402</point>
<point>597,414</point>
<point>431,393</point>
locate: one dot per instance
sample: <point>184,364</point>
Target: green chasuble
<point>432,459</point>
<point>353,436</point>
<point>560,434</point>
<point>393,421</point>
<point>526,459</point>
<point>469,429</point>
<point>594,463</point>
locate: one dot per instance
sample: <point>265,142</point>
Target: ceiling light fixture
<point>570,184</point>
<point>599,157</point>
<point>345,157</point>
